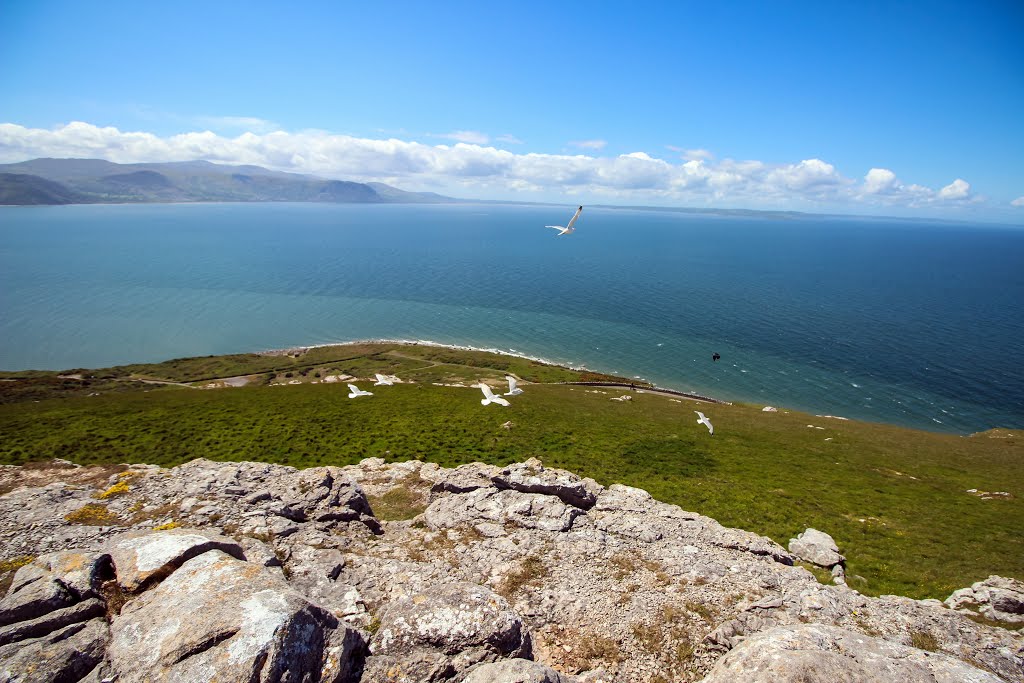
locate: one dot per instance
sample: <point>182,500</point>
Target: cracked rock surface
<point>259,572</point>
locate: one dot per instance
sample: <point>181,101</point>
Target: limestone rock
<point>444,631</point>
<point>996,598</point>
<point>816,547</point>
<point>34,593</point>
<point>142,559</point>
<point>622,591</point>
<point>516,671</point>
<point>217,617</point>
<point>465,478</point>
<point>322,494</point>
<point>816,653</point>
<point>63,656</point>
<point>528,510</point>
<point>314,572</point>
<point>533,477</point>
<point>80,573</point>
<point>47,623</point>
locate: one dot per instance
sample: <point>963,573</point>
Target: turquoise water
<point>911,323</point>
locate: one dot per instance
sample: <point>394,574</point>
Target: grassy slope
<point>922,534</point>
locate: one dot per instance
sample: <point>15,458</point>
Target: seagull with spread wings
<point>489,396</point>
<point>513,390</point>
<point>356,392</point>
<point>568,229</point>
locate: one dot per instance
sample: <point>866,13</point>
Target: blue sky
<point>745,104</point>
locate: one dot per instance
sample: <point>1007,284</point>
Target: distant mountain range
<point>94,181</point>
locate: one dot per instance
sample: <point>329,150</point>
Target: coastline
<point>512,353</point>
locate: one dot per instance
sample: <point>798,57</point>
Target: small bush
<point>705,612</point>
<point>531,572</point>
<point>600,648</point>
<point>923,640</point>
<point>92,514</point>
<point>118,489</point>
<point>15,563</point>
<point>173,524</point>
<point>9,567</point>
<point>649,636</point>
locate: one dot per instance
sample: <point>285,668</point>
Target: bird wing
<point>487,390</point>
<point>511,383</point>
<point>572,221</point>
<point>353,387</point>
<point>500,400</point>
<point>556,227</point>
<point>700,415</point>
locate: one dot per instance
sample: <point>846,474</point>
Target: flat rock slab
<point>527,510</point>
<point>816,653</point>
<point>37,593</point>
<point>516,671</point>
<point>81,573</point>
<point>452,618</point>
<point>64,656</point>
<point>219,618</point>
<point>533,477</point>
<point>50,622</point>
<point>144,559</point>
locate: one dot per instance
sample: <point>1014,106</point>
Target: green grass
<point>922,535</point>
<point>356,359</point>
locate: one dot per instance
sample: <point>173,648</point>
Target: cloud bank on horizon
<point>473,167</point>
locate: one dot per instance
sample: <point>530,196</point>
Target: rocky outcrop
<point>516,671</point>
<point>815,652</point>
<point>145,558</point>
<point>996,598</point>
<point>518,573</point>
<point>438,634</point>
<point>220,618</point>
<point>53,618</point>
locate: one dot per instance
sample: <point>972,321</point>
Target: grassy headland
<point>898,501</point>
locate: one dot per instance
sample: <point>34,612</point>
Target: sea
<point>914,323</point>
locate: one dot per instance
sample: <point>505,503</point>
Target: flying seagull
<point>489,397</point>
<point>568,229</point>
<point>355,392</point>
<point>383,380</point>
<point>513,390</point>
<point>705,421</point>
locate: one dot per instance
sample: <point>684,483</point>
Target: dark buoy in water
<point>715,356</point>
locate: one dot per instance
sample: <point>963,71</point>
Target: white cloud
<point>809,175</point>
<point>589,144</point>
<point>958,189</point>
<point>692,154</point>
<point>1019,201</point>
<point>476,169</point>
<point>472,137</point>
<point>880,181</point>
<point>509,139</point>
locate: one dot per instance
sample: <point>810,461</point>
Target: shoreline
<point>654,387</point>
<point>500,352</point>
